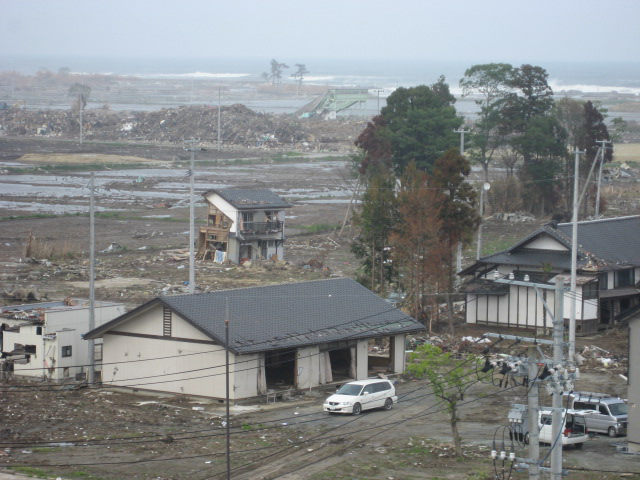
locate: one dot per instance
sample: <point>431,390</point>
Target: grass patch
<point>45,449</point>
<point>52,250</point>
<point>318,227</point>
<point>36,216</point>
<point>81,474</point>
<point>30,471</point>
<point>626,152</point>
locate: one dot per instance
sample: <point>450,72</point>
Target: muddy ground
<point>98,433</point>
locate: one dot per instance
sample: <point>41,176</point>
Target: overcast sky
<point>461,30</point>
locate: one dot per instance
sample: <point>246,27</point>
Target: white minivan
<point>353,397</point>
<point>573,431</point>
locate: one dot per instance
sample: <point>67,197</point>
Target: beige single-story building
<point>296,335</point>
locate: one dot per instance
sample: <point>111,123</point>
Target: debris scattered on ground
<point>241,126</point>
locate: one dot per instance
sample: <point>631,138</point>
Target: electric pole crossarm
<point>545,286</point>
<point>519,339</point>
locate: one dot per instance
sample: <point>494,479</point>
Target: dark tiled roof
<point>610,243</point>
<point>287,315</point>
<point>614,240</point>
<point>487,287</point>
<point>251,199</point>
<point>531,258</point>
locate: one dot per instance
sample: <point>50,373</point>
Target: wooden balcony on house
<point>261,228</point>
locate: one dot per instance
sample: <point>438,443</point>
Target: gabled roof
<point>614,240</point>
<point>285,315</point>
<point>608,244</point>
<point>250,199</point>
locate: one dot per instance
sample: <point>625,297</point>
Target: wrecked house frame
<point>242,225</point>
<point>281,337</point>
<point>608,268</point>
<point>44,340</point>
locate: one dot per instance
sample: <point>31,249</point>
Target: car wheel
<point>388,404</point>
<point>613,433</point>
<point>579,445</point>
<point>526,438</point>
<point>357,409</point>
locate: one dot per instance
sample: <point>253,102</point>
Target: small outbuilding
<point>285,336</point>
<point>44,340</point>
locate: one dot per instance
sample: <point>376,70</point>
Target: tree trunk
<point>457,441</point>
<point>449,290</point>
<point>373,265</point>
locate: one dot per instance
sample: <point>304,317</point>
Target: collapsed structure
<point>44,340</point>
<point>243,225</point>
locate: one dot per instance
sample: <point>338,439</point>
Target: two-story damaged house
<point>44,340</point>
<point>608,268</point>
<point>243,224</point>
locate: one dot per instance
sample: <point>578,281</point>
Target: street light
<point>485,188</point>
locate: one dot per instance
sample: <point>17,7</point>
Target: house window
<point>166,322</point>
<point>590,290</point>
<point>38,330</point>
<point>66,351</point>
<point>603,280</point>
<point>97,352</point>
<point>247,217</point>
<point>625,278</point>
<point>31,349</point>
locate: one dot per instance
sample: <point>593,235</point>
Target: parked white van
<point>353,397</point>
<point>573,431</point>
<point>604,413</point>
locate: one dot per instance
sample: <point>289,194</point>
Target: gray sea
<point>380,77</point>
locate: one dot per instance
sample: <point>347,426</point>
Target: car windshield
<point>618,409</point>
<point>350,389</point>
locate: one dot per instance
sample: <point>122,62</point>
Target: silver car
<point>354,397</point>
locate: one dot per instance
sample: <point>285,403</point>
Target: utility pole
<point>226,342</point>
<point>603,148</point>
<point>485,188</point>
<point>462,131</point>
<point>92,294</point>
<point>192,266</point>
<point>556,399</point>
<point>532,401</point>
<point>556,383</point>
<point>81,106</point>
<point>574,258</point>
<point>377,90</point>
<point>219,117</point>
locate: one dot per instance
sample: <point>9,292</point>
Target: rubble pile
<point>595,358</point>
<point>240,126</point>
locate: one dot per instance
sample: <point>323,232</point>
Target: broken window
<point>66,351</point>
